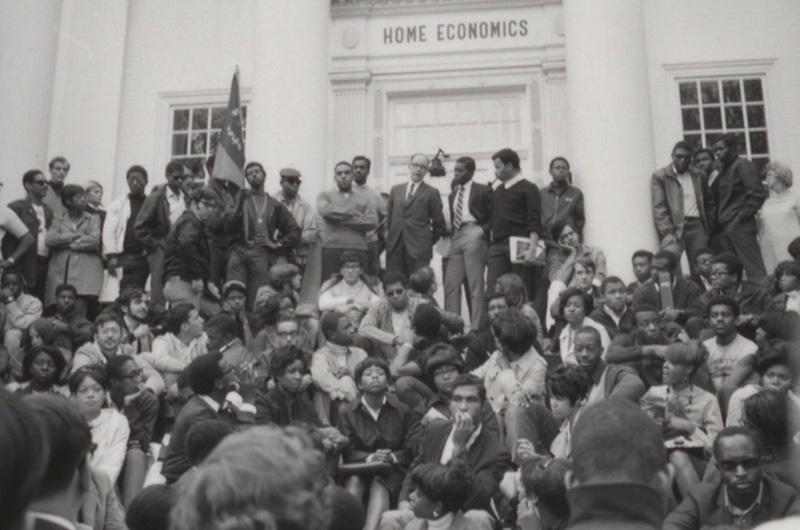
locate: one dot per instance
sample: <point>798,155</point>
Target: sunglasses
<point>732,465</point>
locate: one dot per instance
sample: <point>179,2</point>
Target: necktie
<point>410,192</point>
<point>459,208</point>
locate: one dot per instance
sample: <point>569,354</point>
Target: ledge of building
<point>361,8</point>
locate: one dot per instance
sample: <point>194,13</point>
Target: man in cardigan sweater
<point>516,208</point>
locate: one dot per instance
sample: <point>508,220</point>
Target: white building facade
<point>610,84</point>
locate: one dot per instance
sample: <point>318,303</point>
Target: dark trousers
<point>372,265</point>
<point>399,260</point>
<point>39,289</point>
<point>217,264</point>
<point>741,240</point>
<point>499,263</point>
<point>134,271</point>
<point>695,238</point>
<point>330,260</point>
<point>249,265</point>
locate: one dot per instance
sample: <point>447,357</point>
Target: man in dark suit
<point>38,217</point>
<point>470,212</point>
<point>465,439</point>
<point>678,194</point>
<point>210,378</point>
<point>66,479</point>
<point>159,212</point>
<point>415,220</point>
<point>735,197</point>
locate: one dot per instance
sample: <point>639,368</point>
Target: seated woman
<point>45,332</point>
<point>584,277</point>
<point>574,307</point>
<point>350,291</point>
<point>773,365</point>
<point>377,426</point>
<point>439,492</point>
<point>689,415</point>
<point>110,428</point>
<point>285,279</point>
<point>422,283</point>
<point>775,418</point>
<point>568,386</point>
<point>41,372</point>
<point>561,265</point>
<point>21,309</point>
<point>786,289</point>
<point>512,286</point>
<point>544,505</point>
<point>287,403</point>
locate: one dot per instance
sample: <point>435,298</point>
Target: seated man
<point>422,283</point>
<point>731,357</point>
<point>702,266</point>
<point>221,333</point>
<point>107,344</point>
<point>211,380</point>
<point>465,439</point>
<point>613,313</point>
<point>287,403</point>
<point>640,262</point>
<point>744,498</point>
<point>644,348</point>
<point>333,365</point>
<point>685,293</point>
<point>20,310</point>
<point>350,291</point>
<point>514,377</point>
<point>726,280</point>
<point>140,407</point>
<point>481,344</point>
<point>408,367</point>
<point>444,365</point>
<point>134,305</point>
<point>388,321</point>
<point>183,341</point>
<point>234,297</point>
<point>68,318</point>
<point>608,381</point>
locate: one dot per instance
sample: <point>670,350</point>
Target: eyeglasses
<point>133,375</point>
<point>417,165</point>
<point>42,182</point>
<point>733,465</point>
<point>469,400</point>
<point>442,370</point>
<point>286,334</point>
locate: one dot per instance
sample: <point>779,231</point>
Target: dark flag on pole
<point>229,157</point>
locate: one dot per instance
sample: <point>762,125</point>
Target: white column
<point>288,115</point>
<point>87,90</point>
<point>610,125</point>
<point>28,47</point>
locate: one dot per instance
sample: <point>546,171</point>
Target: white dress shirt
<point>177,204</point>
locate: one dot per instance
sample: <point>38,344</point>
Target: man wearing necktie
<point>415,221</point>
<point>470,210</point>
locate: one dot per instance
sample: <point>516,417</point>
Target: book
<point>518,246</point>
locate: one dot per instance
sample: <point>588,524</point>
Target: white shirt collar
<point>55,519</point>
<point>172,195</point>
<point>373,412</point>
<point>510,182</point>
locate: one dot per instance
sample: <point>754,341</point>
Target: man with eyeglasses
<point>130,397</point>
<point>21,219</point>
<point>302,213</point>
<point>466,439</point>
<point>415,220</point>
<point>161,210</point>
<point>346,218</point>
<point>744,498</point>
<point>678,193</point>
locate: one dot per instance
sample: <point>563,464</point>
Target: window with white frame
<point>195,130</point>
<point>712,107</point>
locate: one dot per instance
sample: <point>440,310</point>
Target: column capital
<point>355,80</point>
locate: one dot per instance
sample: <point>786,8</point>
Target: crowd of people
<point>207,356</point>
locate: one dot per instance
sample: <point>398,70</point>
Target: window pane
<point>199,143</point>
<point>734,118</point>
<point>710,91</point>
<point>752,90</point>
<point>199,118</point>
<point>740,140</point>
<point>694,139</point>
<point>712,117</point>
<point>217,117</point>
<point>179,144</point>
<point>688,93</point>
<point>712,137</point>
<point>214,139</point>
<point>691,119</point>
<point>731,91</point>
<point>180,120</point>
<point>758,143</point>
<point>755,116</point>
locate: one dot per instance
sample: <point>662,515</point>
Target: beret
<point>289,173</point>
